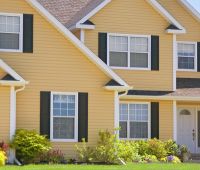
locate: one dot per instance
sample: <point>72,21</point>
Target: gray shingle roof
<point>68,12</point>
<point>189,87</point>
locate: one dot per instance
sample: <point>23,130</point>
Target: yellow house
<point>71,68</point>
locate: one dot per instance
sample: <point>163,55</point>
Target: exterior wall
<point>136,17</point>
<point>165,118</point>
<point>4,113</point>
<point>56,65</point>
<point>190,23</point>
<point>2,73</point>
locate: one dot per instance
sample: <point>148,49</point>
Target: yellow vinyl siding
<point>4,113</point>
<point>2,73</point>
<point>56,65</point>
<point>135,17</point>
<point>190,23</point>
<point>165,118</point>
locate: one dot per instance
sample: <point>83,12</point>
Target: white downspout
<point>13,94</point>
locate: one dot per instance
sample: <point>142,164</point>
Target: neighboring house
<point>69,68</point>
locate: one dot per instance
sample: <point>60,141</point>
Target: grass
<point>107,167</point>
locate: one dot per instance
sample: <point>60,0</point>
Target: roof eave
<point>173,31</point>
<point>118,88</point>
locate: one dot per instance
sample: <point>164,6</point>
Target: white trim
<point>116,114</point>
<point>128,128</point>
<point>76,118</point>
<point>129,36</point>
<point>174,120</point>
<point>174,62</point>
<point>118,88</point>
<point>195,57</point>
<point>84,26</point>
<point>165,14</point>
<point>20,33</point>
<point>94,11</point>
<point>74,40</point>
<point>172,31</point>
<point>12,111</point>
<point>10,71</point>
<point>191,9</point>
<point>82,35</point>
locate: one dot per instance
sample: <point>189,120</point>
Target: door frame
<point>196,108</point>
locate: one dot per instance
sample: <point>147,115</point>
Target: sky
<point>195,4</point>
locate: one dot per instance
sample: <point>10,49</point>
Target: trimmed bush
<point>29,145</point>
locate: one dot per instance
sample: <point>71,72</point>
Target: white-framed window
<point>11,32</point>
<point>129,51</point>
<point>64,117</point>
<point>187,56</point>
<point>134,121</point>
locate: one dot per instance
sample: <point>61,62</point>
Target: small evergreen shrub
<point>171,147</point>
<point>29,145</point>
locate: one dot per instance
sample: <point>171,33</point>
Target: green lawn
<point>101,167</point>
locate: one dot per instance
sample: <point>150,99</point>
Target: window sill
<point>187,70</point>
<point>64,140</point>
<point>128,68</point>
<point>10,51</point>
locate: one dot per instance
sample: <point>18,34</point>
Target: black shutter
<point>28,33</point>
<point>198,56</point>
<point>155,120</point>
<point>82,116</point>
<point>102,51</point>
<point>45,98</point>
<point>154,52</point>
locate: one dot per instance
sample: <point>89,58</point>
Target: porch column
<point>116,112</point>
<point>12,120</point>
<point>174,121</point>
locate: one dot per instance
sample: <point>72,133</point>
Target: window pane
<point>63,128</point>
<point>118,43</point>
<point>118,59</point>
<point>138,112</point>
<point>186,49</point>
<point>185,63</point>
<point>139,60</point>
<point>123,113</point>
<point>138,130</point>
<point>139,44</point>
<point>123,129</point>
<point>9,41</point>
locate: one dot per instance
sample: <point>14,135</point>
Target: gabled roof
<point>73,13</point>
<point>76,42</point>
<point>190,9</point>
<point>11,76</point>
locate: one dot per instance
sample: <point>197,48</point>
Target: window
<point>128,51</point>
<point>64,118</point>
<point>10,32</point>
<point>187,56</point>
<point>134,121</point>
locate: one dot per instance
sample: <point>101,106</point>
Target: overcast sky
<point>195,4</point>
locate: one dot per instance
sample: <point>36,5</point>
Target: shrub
<point>149,158</point>
<point>106,150</point>
<point>3,146</point>
<point>52,157</point>
<point>171,159</point>
<point>143,147</point>
<point>2,158</point>
<point>29,145</point>
<point>85,153</point>
<point>128,151</point>
<point>171,147</point>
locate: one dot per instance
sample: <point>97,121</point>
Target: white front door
<point>186,128</point>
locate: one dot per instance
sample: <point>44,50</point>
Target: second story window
<point>129,51</point>
<point>10,32</point>
<point>187,56</point>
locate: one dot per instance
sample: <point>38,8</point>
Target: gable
<point>2,73</point>
<point>191,24</point>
